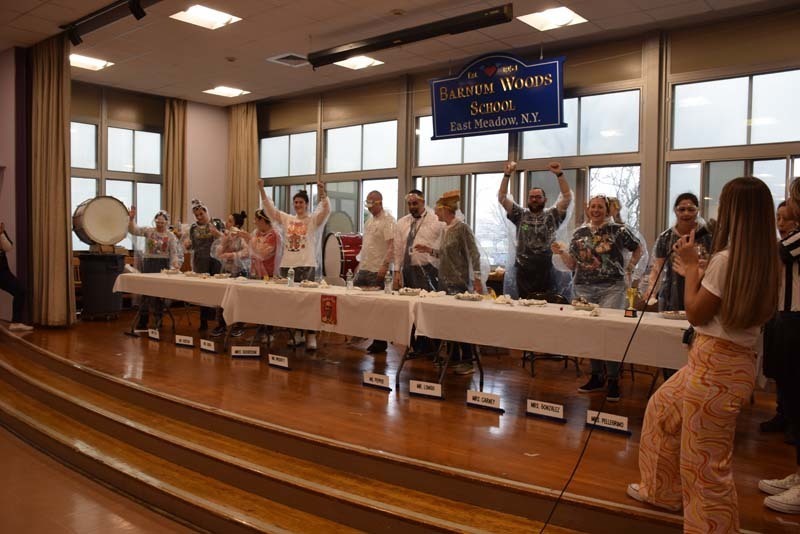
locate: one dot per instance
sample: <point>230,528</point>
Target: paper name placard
<point>152,333</point>
<point>608,421</point>
<point>184,340</point>
<point>279,361</point>
<point>376,380</point>
<point>205,344</point>
<point>426,389</point>
<point>245,352</point>
<point>548,410</point>
<point>480,399</point>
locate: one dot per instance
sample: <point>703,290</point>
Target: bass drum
<point>339,256</point>
<point>101,221</point>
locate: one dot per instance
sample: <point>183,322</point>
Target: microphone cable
<point>602,404</point>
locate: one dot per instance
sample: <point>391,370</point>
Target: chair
<point>532,357</point>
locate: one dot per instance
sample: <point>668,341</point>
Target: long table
<point>552,329</point>
<point>555,329</point>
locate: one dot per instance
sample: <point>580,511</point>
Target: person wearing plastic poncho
<point>376,252</point>
<point>302,240</point>
<point>668,288</point>
<point>532,274</point>
<point>412,268</point>
<point>459,266</point>
<point>156,248</point>
<point>597,255</point>
<point>264,245</point>
<point>199,239</point>
<point>10,284</point>
<point>231,251</point>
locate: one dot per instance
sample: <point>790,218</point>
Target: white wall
<point>7,162</point>
<point>207,158</point>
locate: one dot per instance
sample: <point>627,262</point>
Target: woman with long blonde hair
<point>686,445</point>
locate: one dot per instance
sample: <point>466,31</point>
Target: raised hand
<point>511,166</point>
<point>555,167</point>
<point>132,212</point>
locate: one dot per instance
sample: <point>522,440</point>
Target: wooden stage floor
<point>323,395</point>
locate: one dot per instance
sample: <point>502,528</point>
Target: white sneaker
<point>311,342</point>
<point>787,502</point>
<point>19,327</point>
<point>298,340</point>
<point>779,485</point>
<point>633,492</point>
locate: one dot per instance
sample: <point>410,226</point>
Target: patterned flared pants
<point>687,440</point>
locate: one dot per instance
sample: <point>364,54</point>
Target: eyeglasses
<point>370,203</point>
<point>686,209</point>
<point>536,197</point>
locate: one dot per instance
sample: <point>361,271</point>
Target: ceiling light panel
<point>551,19</point>
<point>89,63</point>
<point>205,17</point>
<point>359,62</point>
<point>230,92</point>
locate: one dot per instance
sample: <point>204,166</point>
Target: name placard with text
<point>608,421</point>
<point>547,410</point>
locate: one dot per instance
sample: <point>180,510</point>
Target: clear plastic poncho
<point>232,251</point>
<point>461,259</point>
<point>602,254</point>
<point>154,250</point>
<point>265,250</point>
<point>299,235</point>
<point>429,233</point>
<point>561,232</point>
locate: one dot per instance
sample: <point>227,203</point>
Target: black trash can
<point>98,274</point>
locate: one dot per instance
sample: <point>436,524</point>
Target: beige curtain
<point>51,240</point>
<point>175,158</point>
<point>243,160</point>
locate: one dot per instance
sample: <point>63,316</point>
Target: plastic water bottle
<point>388,282</point>
<point>290,276</point>
<point>349,279</point>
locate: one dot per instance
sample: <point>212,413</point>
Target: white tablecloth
<point>358,313</point>
<point>554,330</point>
<point>390,317</point>
<point>204,292</point>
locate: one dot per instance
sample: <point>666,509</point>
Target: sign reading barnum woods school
<point>499,93</point>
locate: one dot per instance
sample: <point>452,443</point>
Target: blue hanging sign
<point>499,93</point>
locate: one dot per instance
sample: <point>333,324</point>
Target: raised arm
<point>324,206</point>
<point>502,194</point>
<point>269,207</point>
<point>701,304</point>
<point>132,228</point>
<point>566,192</point>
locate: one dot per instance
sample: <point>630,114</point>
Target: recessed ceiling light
<point>359,62</point>
<point>551,19</point>
<point>90,63</point>
<point>229,92</point>
<point>205,17</point>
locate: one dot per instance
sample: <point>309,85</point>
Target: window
<point>609,124</point>
<point>619,182</point>
<point>83,145</point>
<point>361,147</point>
<point>473,149</point>
<point>122,190</point>
<point>491,231</point>
<point>719,174</point>
<point>549,183</point>
<point>134,151</point>
<point>435,186</point>
<point>83,189</point>
<point>289,155</point>
<point>715,113</point>
<point>554,142</point>
<point>387,187</point>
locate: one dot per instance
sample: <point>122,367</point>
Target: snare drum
<point>101,221</point>
<point>339,256</point>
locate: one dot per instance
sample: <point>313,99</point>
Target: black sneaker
<point>612,395</point>
<point>594,383</point>
<point>377,346</point>
<point>776,424</point>
<point>218,331</point>
<point>237,332</point>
